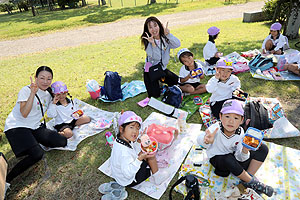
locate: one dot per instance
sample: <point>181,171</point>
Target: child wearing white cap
<point>226,153</point>
<point>210,51</point>
<point>188,82</point>
<point>275,43</point>
<point>222,85</point>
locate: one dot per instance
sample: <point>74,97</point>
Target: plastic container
<point>95,94</point>
<point>152,147</point>
<point>253,138</point>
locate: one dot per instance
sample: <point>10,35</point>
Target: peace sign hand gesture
<point>150,39</point>
<point>210,137</point>
<point>166,29</point>
<point>33,86</point>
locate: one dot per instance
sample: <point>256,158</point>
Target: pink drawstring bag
<point>163,135</point>
<point>240,67</point>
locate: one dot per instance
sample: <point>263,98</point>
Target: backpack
<point>112,86</point>
<point>258,114</point>
<point>261,63</point>
<point>192,187</point>
<point>173,96</point>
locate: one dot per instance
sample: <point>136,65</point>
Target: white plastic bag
<point>92,85</point>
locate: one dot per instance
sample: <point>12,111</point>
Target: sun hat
<point>224,63</point>
<point>232,106</point>
<point>129,116</point>
<point>59,87</point>
<point>275,27</point>
<point>213,31</point>
<point>181,51</point>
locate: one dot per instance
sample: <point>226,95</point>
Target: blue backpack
<point>112,86</point>
<point>173,96</point>
<point>261,63</point>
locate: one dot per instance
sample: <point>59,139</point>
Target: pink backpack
<point>164,135</point>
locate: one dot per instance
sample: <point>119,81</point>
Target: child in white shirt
<point>293,65</point>
<point>210,51</point>
<point>222,85</point>
<point>275,43</point>
<point>226,153</point>
<point>187,83</point>
<point>62,109</point>
<point>129,165</point>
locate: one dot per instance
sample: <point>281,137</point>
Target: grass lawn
<point>24,24</point>
<point>74,175</point>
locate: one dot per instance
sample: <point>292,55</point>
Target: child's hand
<point>150,39</point>
<point>142,156</point>
<point>166,30</point>
<point>210,137</point>
<point>245,150</point>
<point>33,86</point>
<point>217,75</point>
<point>55,99</point>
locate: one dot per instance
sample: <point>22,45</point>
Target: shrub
<point>71,3</point>
<point>6,7</point>
<point>270,7</point>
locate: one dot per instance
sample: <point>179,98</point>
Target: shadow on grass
<point>94,14</point>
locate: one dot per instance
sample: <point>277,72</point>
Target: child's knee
<point>269,45</point>
<point>67,132</point>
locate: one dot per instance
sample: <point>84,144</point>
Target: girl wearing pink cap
<point>226,153</point>
<point>129,165</point>
<point>275,43</point>
<point>64,111</point>
<point>210,51</point>
<point>23,128</point>
<point>222,85</point>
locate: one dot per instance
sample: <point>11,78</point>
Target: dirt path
<point>124,28</point>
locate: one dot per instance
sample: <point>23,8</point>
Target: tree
<point>293,21</point>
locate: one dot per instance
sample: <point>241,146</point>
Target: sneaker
<point>159,177</point>
<point>106,188</point>
<point>259,187</point>
<point>115,194</point>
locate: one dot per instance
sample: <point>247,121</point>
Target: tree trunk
<point>32,7</point>
<point>42,3</point>
<point>276,12</point>
<point>50,5</point>
<point>152,1</point>
<point>293,23</point>
<point>83,3</point>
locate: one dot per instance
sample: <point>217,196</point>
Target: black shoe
<point>259,187</point>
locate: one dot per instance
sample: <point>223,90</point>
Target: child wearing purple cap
<point>222,85</point>
<point>210,51</point>
<point>275,43</point>
<point>226,153</point>
<point>129,165</point>
<point>62,109</point>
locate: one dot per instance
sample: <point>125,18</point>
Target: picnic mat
<point>176,153</point>
<point>280,170</point>
<point>282,128</point>
<point>100,120</point>
<point>129,90</point>
<point>188,103</point>
<point>270,74</point>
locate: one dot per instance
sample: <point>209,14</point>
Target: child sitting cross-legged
<point>222,85</point>
<point>64,111</point>
<point>226,153</point>
<point>188,77</point>
<point>129,165</point>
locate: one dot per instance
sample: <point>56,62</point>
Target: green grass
<point>24,24</point>
<point>74,175</point>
